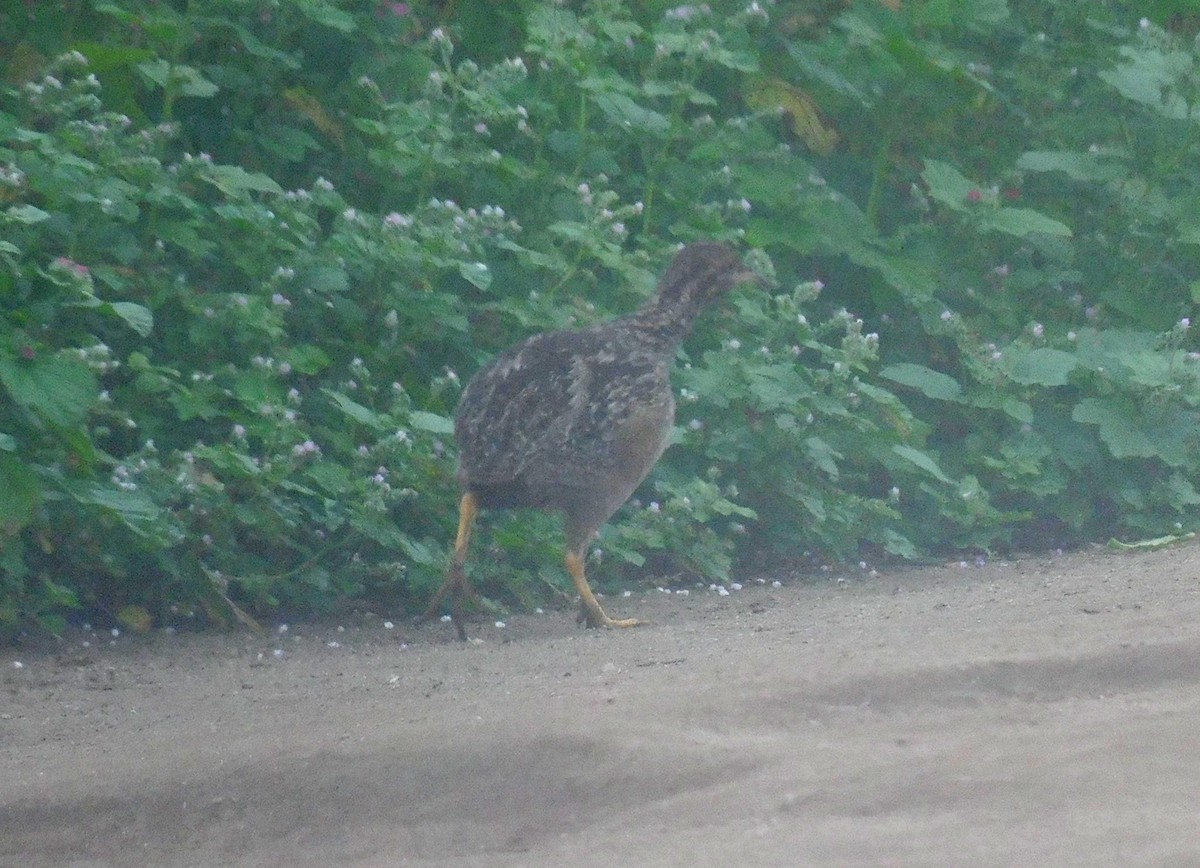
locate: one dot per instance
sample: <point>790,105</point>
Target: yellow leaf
<point>309,106</point>
<point>135,618</point>
<point>800,110</point>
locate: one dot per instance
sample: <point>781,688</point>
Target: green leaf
<point>379,529</point>
<point>353,409</point>
<point>1041,366</point>
<point>60,390</point>
<point>234,180</point>
<point>26,214</point>
<point>327,15</point>
<point>190,405</point>
<point>931,383</point>
<point>476,273</point>
<point>134,508</point>
<point>627,114</point>
<point>187,78</point>
<point>431,422</point>
<point>1132,432</point>
<point>19,493</point>
<point>1158,79</point>
<point>948,185</point>
<point>1076,165</point>
<point>1160,542</point>
<point>307,359</point>
<point>899,545</point>
<point>136,316</point>
<point>551,25</point>
<point>326,279</point>
<point>1022,222</point>
<point>921,460</point>
<point>823,455</point>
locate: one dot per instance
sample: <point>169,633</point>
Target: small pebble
<point>776,584</point>
<point>334,644</point>
<point>388,625</point>
<point>17,664</point>
<point>278,652</point>
<point>500,625</point>
<point>446,619</point>
<point>283,628</point>
<point>115,632</point>
<point>723,592</point>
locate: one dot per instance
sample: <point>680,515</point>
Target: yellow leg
<point>592,613</point>
<point>457,585</point>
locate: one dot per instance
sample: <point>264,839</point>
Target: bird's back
<point>554,415</point>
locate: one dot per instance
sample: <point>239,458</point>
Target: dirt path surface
<point>1040,712</point>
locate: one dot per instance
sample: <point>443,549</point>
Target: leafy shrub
<point>248,256</point>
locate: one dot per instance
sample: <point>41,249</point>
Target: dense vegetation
<point>250,249</point>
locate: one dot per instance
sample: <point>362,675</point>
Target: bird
<point>573,420</point>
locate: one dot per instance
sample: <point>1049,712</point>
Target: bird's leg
<point>591,612</point>
<point>457,585</point>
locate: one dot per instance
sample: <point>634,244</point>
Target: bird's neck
<point>663,326</point>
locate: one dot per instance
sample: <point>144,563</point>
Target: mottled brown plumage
<point>573,420</point>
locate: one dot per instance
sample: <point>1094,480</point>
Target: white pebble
<point>334,644</point>
<point>446,619</point>
<point>683,592</point>
<point>17,664</point>
<point>500,625</point>
<point>278,652</point>
<point>115,632</point>
<point>737,586</point>
<point>388,625</point>
<point>722,592</point>
<point>283,628</point>
<point>776,584</point>
<point>627,593</point>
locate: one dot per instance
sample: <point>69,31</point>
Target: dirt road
<point>1044,712</point>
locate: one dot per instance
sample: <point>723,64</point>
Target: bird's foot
<point>457,587</point>
<point>596,618</point>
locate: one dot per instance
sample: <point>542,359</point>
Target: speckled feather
<point>574,419</point>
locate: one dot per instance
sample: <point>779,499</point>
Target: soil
<point>1043,711</point>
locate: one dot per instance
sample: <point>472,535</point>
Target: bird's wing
<point>556,399</point>
<point>518,407</point>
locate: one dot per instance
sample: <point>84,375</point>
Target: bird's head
<point>701,273</point>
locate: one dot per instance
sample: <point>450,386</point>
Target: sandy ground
<point>1042,712</point>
